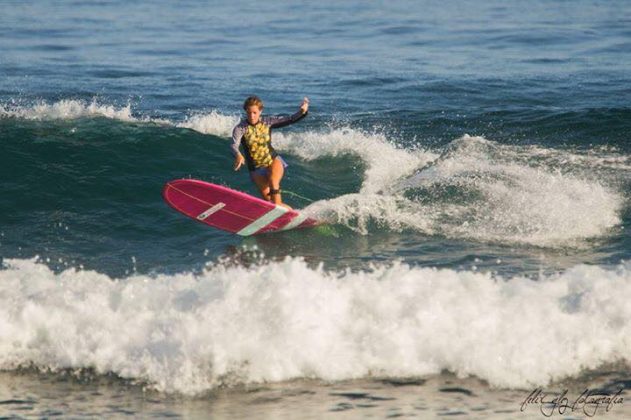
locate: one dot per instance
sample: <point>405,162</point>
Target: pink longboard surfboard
<point>230,210</point>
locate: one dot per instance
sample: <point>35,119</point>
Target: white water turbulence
<point>232,325</point>
<point>475,189</point>
<point>384,164</point>
<point>67,109</point>
<point>211,122</point>
<point>486,191</point>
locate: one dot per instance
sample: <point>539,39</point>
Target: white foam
<point>67,109</point>
<point>485,191</point>
<point>212,122</point>
<point>284,320</point>
<point>385,163</point>
<point>356,211</point>
<point>517,200</point>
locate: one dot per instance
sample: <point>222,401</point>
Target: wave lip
<point>212,122</point>
<point>385,163</point>
<point>67,109</point>
<point>190,333</point>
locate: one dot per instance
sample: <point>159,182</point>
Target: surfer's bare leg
<point>277,170</point>
<point>262,182</point>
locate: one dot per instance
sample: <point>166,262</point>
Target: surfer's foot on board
<point>274,194</point>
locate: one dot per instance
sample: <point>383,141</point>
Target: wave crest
<point>191,333</point>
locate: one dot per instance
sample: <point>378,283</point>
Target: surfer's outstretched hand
<point>304,107</point>
<point>238,162</point>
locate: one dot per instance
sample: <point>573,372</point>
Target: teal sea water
<point>472,163</point>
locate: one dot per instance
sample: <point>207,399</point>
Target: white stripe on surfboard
<point>262,221</point>
<point>213,209</point>
<point>294,222</point>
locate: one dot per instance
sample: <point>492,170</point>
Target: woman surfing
<point>254,133</point>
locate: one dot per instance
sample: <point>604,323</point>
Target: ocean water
<point>471,160</point>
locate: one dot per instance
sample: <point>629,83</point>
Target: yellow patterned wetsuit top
<point>257,140</point>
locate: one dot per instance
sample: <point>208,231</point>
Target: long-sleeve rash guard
<point>256,139</point>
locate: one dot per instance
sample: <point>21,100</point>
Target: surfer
<point>254,133</point>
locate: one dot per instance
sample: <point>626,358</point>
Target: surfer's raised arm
<point>278,121</point>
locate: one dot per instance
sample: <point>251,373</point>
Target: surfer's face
<point>253,112</point>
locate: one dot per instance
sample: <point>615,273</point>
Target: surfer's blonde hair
<point>253,101</point>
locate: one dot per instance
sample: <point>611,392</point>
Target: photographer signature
<point>588,402</point>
